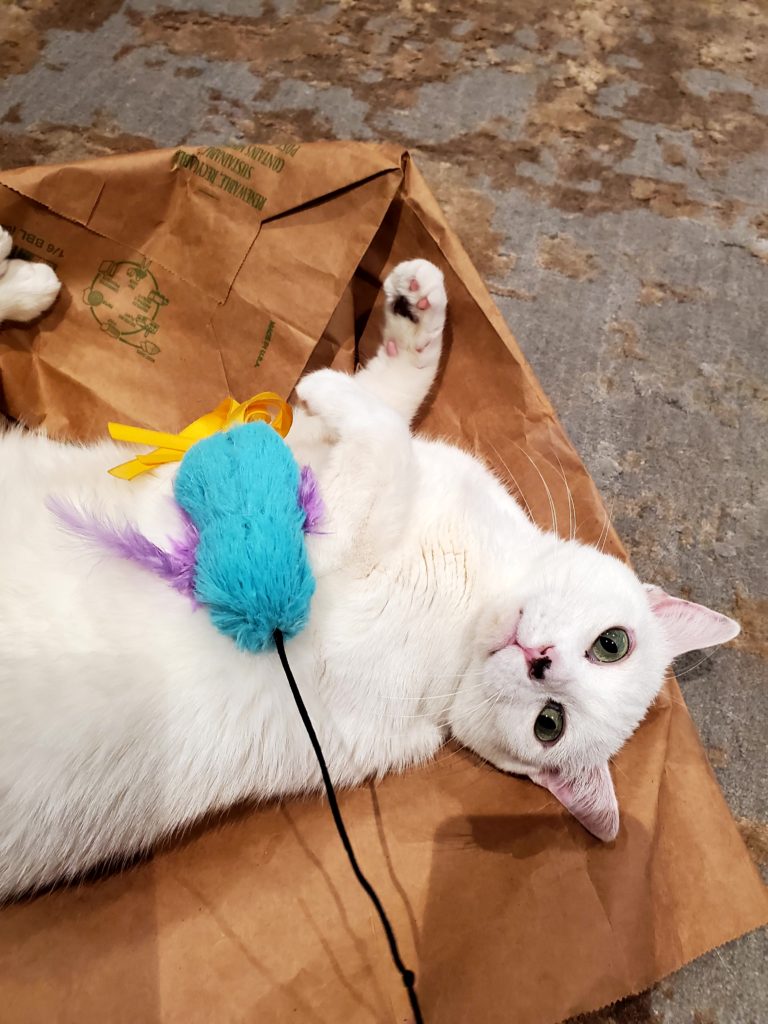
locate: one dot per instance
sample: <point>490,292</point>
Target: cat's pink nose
<point>533,653</point>
<point>537,658</point>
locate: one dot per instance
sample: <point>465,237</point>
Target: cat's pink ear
<point>590,797</point>
<point>688,626</point>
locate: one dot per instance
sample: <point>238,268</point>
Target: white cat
<point>26,289</point>
<point>440,610</point>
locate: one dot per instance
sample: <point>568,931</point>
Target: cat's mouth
<point>510,638</point>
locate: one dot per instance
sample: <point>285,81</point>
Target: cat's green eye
<point>612,645</point>
<point>550,723</point>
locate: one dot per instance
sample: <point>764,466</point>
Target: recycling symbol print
<point>125,301</point>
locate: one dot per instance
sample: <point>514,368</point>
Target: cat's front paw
<point>332,396</point>
<point>415,312</point>
<point>344,407</point>
<point>26,289</point>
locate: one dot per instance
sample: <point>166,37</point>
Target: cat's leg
<point>366,473</point>
<point>403,370</point>
<point>26,289</point>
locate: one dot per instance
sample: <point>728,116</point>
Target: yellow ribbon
<point>267,407</point>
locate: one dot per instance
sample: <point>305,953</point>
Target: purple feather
<point>176,566</point>
<point>310,501</point>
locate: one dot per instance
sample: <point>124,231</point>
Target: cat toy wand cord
<point>409,978</point>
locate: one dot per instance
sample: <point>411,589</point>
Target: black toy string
<point>409,978</point>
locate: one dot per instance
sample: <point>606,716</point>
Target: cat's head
<point>570,669</point>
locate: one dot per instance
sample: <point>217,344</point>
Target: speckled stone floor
<point>605,165</point>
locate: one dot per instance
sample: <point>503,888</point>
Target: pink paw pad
<point>414,285</point>
<point>391,347</point>
<point>423,303</point>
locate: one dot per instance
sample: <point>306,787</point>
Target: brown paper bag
<point>192,275</point>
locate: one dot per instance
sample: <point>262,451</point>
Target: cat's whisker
<point>678,700</point>
<point>483,718</point>
<point>458,676</point>
<point>462,714</point>
<point>435,696</point>
<point>451,756</point>
<point>603,530</point>
<point>512,477</point>
<point>603,539</point>
<point>696,664</point>
<point>555,528</point>
<point>670,677</point>
<point>619,769</point>
<point>571,504</point>
<point>447,755</point>
<point>587,526</point>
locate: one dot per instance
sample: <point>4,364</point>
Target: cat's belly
<point>125,714</point>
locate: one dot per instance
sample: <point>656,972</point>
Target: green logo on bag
<point>125,302</point>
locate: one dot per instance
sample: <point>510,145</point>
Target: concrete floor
<point>605,165</point>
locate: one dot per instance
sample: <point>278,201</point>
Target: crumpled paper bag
<point>192,274</point>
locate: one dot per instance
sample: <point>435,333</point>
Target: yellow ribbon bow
<point>267,407</point>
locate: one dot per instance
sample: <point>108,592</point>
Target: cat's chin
<point>510,766</point>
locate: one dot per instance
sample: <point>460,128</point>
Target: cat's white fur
<point>125,715</point>
<point>26,289</point>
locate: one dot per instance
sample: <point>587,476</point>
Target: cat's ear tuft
<point>589,796</point>
<point>688,626</point>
